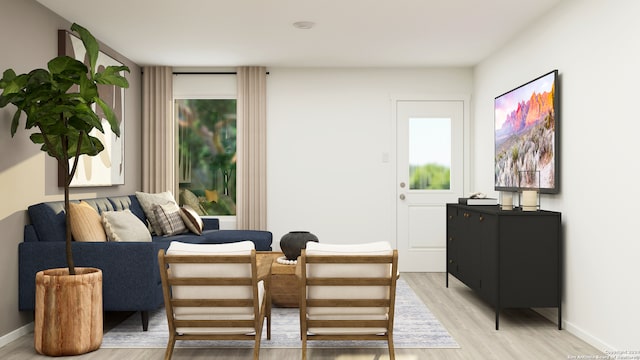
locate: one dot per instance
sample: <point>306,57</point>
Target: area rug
<point>415,327</point>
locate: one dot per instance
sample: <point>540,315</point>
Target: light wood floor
<point>523,334</point>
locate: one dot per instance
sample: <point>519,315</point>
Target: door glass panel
<point>429,153</point>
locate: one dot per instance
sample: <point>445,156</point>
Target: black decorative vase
<point>293,242</point>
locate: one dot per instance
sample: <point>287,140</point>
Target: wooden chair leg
<point>304,347</point>
<point>170,345</point>
<point>256,348</point>
<point>392,351</point>
<point>269,320</point>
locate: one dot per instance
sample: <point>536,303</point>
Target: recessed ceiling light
<point>305,25</point>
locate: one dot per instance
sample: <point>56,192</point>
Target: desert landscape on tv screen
<point>525,136</point>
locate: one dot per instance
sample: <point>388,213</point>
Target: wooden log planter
<point>68,311</point>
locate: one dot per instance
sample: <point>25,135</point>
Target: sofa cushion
<point>48,220</point>
<point>129,202</point>
<point>191,219</point>
<point>124,226</point>
<point>169,219</point>
<point>100,204</point>
<point>86,224</point>
<point>149,201</point>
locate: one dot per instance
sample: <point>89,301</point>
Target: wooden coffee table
<point>284,282</point>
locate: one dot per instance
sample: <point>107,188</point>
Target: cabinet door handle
<point>481,218</point>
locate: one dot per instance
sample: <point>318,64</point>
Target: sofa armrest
<point>130,274</point>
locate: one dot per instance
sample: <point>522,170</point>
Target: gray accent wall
<point>27,175</point>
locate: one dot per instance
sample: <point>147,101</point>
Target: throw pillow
<point>124,226</point>
<point>86,225</point>
<point>189,198</point>
<point>169,219</point>
<point>192,219</point>
<point>149,202</point>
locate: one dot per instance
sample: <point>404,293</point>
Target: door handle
<point>402,197</point>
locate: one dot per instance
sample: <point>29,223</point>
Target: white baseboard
<point>588,338</point>
<point>552,315</point>
<point>16,334</point>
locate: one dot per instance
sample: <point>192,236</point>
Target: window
<point>429,154</point>
<point>207,154</point>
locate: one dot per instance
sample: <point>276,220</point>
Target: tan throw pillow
<point>192,219</point>
<point>124,226</point>
<point>189,198</point>
<point>86,225</point>
<point>149,202</point>
<point>169,219</point>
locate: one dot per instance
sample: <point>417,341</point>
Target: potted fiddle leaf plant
<point>61,104</point>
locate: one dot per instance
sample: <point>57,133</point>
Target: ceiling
<point>347,33</point>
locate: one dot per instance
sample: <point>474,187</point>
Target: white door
<point>430,161</point>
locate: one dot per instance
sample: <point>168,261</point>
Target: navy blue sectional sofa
<point>130,274</point>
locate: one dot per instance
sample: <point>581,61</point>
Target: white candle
<point>529,199</point>
<point>507,201</point>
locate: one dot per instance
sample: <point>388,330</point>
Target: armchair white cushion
<point>219,270</point>
<point>347,292</point>
<point>348,271</point>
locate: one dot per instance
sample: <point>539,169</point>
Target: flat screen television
<point>526,136</point>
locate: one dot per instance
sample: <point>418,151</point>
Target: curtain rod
<point>208,73</point>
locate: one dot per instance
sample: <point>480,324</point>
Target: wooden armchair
<point>347,292</point>
<point>215,292</point>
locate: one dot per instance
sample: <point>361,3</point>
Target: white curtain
<point>251,168</point>
<point>158,130</point>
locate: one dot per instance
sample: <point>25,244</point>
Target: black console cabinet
<point>512,259</point>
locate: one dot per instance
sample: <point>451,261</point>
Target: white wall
<point>594,45</point>
<point>327,132</point>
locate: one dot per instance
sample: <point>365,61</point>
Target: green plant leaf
<point>90,146</point>
<point>111,116</point>
<point>86,120</point>
<point>88,89</point>
<point>8,75</point>
<point>5,100</point>
<point>15,122</point>
<point>11,87</point>
<point>111,76</point>
<point>36,78</point>
<point>54,151</point>
<point>66,64</point>
<point>90,44</point>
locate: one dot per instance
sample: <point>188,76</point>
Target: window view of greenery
<point>207,155</point>
<point>429,154</point>
<point>429,177</point>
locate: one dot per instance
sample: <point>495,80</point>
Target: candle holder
<point>529,190</point>
<point>507,200</point>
